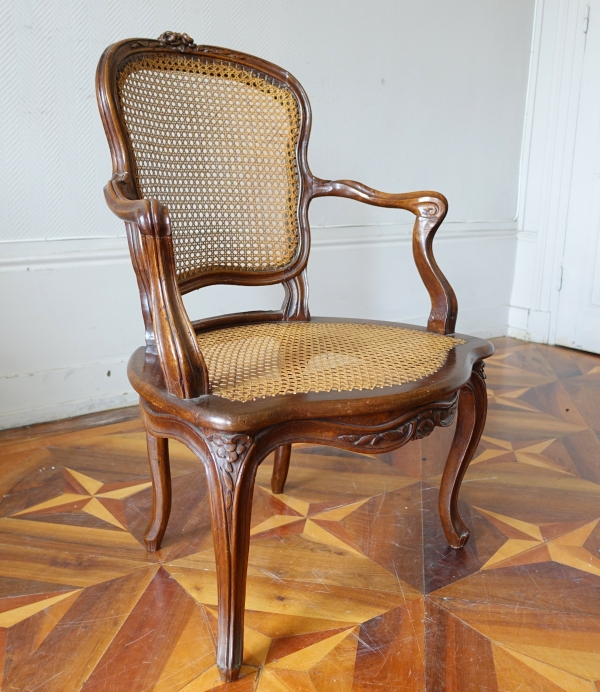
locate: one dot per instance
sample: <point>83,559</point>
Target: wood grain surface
<point>351,583</point>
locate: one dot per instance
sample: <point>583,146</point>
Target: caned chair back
<point>218,141</point>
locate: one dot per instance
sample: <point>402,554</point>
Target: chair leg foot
<point>281,466</point>
<point>151,546</point>
<point>472,411</point>
<point>158,456</point>
<point>230,675</point>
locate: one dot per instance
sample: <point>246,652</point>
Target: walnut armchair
<point>210,175</point>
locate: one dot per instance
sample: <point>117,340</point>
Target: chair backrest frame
<point>123,163</point>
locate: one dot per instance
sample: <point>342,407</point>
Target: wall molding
<point>51,254</point>
<point>527,236</point>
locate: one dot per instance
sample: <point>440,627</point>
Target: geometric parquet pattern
<point>351,584</point>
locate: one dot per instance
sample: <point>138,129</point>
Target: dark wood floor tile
<point>503,343</point>
<point>19,602</point>
<point>275,627</point>
<point>58,563</point>
<point>592,543</point>
<point>585,393</point>
<point>11,587</point>
<point>407,459</point>
<point>459,659</point>
<point>246,683</point>
<point>531,494</point>
<point>289,645</point>
<point>562,453</point>
<point>562,647</point>
<point>41,485</point>
<point>516,425</point>
<point>71,439</point>
<point>336,668</point>
<point>510,370</point>
<point>322,450</point>
<point>390,653</point>
<point>554,399</point>
<point>546,585</point>
<point>114,467</point>
<point>189,524</point>
<point>561,360</point>
<point>434,451</point>
<point>74,518</point>
<point>314,561</point>
<point>23,533</point>
<point>266,505</point>
<point>30,629</point>
<point>586,362</point>
<point>529,359</point>
<point>584,450</point>
<point>443,565</point>
<point>350,463</point>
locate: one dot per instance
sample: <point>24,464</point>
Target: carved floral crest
<point>175,40</point>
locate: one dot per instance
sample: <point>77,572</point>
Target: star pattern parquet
<point>351,584</point>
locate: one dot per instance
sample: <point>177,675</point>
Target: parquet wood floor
<point>351,584</point>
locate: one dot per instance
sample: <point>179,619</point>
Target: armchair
<point>210,176</point>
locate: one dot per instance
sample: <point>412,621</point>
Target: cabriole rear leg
<point>281,466</point>
<point>472,411</point>
<point>158,456</point>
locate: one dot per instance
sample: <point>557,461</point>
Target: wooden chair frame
<point>232,438</point>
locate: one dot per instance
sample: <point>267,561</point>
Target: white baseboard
<point>529,325</point>
<point>37,397</point>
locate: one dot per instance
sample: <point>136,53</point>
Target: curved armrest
<point>430,209</point>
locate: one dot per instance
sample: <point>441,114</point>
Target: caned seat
<point>254,361</point>
<point>210,175</point>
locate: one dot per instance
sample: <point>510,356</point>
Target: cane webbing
<point>258,360</point>
<point>217,144</point>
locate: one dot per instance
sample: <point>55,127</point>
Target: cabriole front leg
<point>231,472</point>
<point>472,411</point>
<point>158,456</point>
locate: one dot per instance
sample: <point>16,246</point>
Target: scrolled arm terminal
<point>151,217</point>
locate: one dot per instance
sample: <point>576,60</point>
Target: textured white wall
<point>406,95</point>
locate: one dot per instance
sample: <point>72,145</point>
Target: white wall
<point>406,95</point>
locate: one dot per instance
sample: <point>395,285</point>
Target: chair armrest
<point>430,210</point>
<point>172,333</point>
<point>150,216</point>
